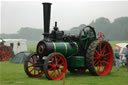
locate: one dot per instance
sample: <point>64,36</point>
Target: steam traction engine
<point>5,51</point>
<point>58,52</point>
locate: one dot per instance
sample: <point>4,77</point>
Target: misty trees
<point>119,29</point>
<point>25,33</point>
<point>30,33</point>
<point>102,25</point>
<point>116,30</point>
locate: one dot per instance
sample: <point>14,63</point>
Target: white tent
<point>122,50</point>
<point>20,57</point>
<point>18,45</point>
<point>122,47</point>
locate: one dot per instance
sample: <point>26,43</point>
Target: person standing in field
<point>117,59</point>
<point>126,55</point>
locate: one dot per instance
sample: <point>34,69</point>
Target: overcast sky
<point>68,13</point>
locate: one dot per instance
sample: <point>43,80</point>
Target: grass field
<point>13,74</point>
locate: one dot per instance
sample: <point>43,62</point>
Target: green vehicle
<point>59,52</point>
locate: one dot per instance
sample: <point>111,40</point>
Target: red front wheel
<point>32,66</point>
<point>55,66</point>
<point>5,53</point>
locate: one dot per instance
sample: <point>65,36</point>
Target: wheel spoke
<point>52,72</point>
<point>58,71</point>
<point>105,62</point>
<point>104,49</point>
<point>95,58</point>
<point>30,62</point>
<point>101,64</point>
<point>97,62</point>
<point>98,68</point>
<point>33,60</point>
<point>107,57</point>
<point>30,66</point>
<point>31,70</point>
<point>52,60</point>
<point>61,64</point>
<point>107,54</point>
<point>55,73</point>
<point>59,60</point>
<point>97,52</point>
<point>34,71</point>
<point>50,69</point>
<point>56,60</point>
<point>50,65</point>
<point>61,69</point>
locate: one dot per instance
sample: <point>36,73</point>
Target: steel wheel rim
<point>103,58</point>
<point>57,66</point>
<point>5,53</point>
<point>31,66</point>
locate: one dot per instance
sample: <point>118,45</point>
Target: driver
<point>90,32</point>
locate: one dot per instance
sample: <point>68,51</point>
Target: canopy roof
<point>121,45</point>
<point>13,40</point>
<point>20,57</point>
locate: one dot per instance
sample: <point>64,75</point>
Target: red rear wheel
<point>55,66</point>
<point>5,53</point>
<point>101,56</point>
<point>32,67</point>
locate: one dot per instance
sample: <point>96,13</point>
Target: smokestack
<point>46,12</point>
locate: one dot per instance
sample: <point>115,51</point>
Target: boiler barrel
<point>65,48</point>
<point>45,48</point>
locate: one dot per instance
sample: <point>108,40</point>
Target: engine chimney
<point>46,12</point>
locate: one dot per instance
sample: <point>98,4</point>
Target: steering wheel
<point>86,34</point>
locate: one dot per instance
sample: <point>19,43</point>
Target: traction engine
<point>58,52</point>
<point>5,51</point>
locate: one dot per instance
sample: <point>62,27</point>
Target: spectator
<point>117,59</point>
<point>126,55</point>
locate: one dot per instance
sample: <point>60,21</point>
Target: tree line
<point>116,30</point>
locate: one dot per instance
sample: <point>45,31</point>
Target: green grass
<point>13,74</point>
